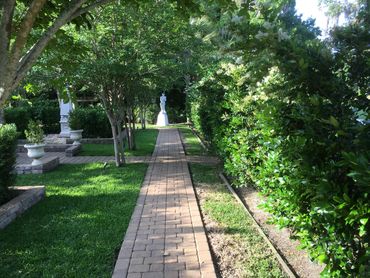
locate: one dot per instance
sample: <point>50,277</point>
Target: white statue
<point>162,119</point>
<point>65,109</point>
<point>163,102</point>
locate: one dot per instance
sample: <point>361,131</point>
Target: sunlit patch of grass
<point>77,229</point>
<point>145,144</point>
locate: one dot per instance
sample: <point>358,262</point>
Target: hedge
<point>8,143</point>
<point>46,111</point>
<point>94,120</point>
<point>298,130</point>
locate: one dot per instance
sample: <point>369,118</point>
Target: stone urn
<point>76,135</point>
<point>35,151</point>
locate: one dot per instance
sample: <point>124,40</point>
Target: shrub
<point>75,119</point>
<point>44,110</point>
<point>299,131</point>
<point>8,143</point>
<point>92,120</point>
<point>34,132</point>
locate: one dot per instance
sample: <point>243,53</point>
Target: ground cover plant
<point>145,144</point>
<point>76,231</point>
<point>252,256</point>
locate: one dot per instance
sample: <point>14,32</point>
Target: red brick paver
<point>166,237</point>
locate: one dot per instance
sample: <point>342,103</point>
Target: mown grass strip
<point>76,231</point>
<point>257,259</point>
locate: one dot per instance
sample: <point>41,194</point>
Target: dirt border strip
<point>288,270</point>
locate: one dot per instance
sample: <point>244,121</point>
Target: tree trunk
<point>142,118</point>
<point>2,119</point>
<point>133,130</point>
<point>121,144</point>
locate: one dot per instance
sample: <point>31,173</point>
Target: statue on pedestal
<point>65,109</point>
<point>162,119</point>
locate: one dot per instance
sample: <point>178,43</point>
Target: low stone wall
<point>93,141</point>
<point>29,196</point>
<point>73,150</point>
<point>48,164</point>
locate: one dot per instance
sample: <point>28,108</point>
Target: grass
<point>192,146</point>
<point>222,208</point>
<point>76,231</point>
<point>145,143</point>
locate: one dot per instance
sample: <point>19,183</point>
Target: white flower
<point>236,19</point>
<point>261,35</point>
<point>268,25</point>
<point>239,60</point>
<point>282,36</point>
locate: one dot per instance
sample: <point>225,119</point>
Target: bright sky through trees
<point>311,9</point>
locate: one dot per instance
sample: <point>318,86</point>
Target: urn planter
<point>76,135</point>
<point>36,152</point>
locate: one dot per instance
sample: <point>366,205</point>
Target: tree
<point>25,30</point>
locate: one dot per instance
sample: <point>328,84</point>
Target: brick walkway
<point>166,237</point>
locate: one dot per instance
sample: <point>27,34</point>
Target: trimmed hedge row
<point>8,143</point>
<point>93,119</point>
<point>46,111</point>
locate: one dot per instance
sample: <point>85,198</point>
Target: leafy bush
<point>8,143</point>
<point>75,119</point>
<point>44,110</point>
<point>92,120</point>
<point>34,132</point>
<point>293,121</point>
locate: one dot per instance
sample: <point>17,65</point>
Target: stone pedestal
<point>162,119</point>
<point>65,109</point>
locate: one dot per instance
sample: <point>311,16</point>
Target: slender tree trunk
<point>2,119</point>
<point>121,144</point>
<point>142,119</point>
<point>133,129</point>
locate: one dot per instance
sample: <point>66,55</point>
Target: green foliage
<point>8,144</point>
<point>86,211</point>
<point>44,110</point>
<point>75,119</point>
<point>92,120</point>
<point>293,121</point>
<point>34,132</point>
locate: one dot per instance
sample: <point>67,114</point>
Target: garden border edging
<point>18,205</point>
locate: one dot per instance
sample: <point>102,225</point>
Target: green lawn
<point>221,207</point>
<point>76,231</point>
<point>145,143</point>
<point>192,146</point>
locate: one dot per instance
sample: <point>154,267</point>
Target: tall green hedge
<point>94,122</point>
<point>8,142</point>
<point>44,110</point>
<point>293,121</point>
<point>93,119</point>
